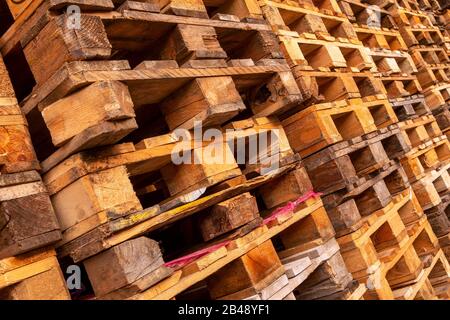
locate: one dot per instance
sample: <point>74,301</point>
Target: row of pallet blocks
<point>428,54</point>
<point>102,217</point>
<point>329,168</point>
<point>431,59</point>
<point>29,268</point>
<point>100,195</point>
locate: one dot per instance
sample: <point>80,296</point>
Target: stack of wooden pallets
<point>430,179</point>
<point>352,145</point>
<point>28,225</point>
<point>240,149</point>
<point>208,220</point>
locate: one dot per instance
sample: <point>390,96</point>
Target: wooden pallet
<point>392,63</point>
<point>415,36</point>
<point>27,219</point>
<point>372,251</point>
<point>437,96</point>
<point>114,37</point>
<point>406,16</point>
<point>291,18</point>
<point>236,254</point>
<point>381,38</point>
<point>217,108</point>
<point>433,186</point>
<point>364,14</point>
<point>323,55</point>
<point>429,56</point>
<point>131,164</point>
<point>431,76</point>
<point>329,123</point>
<point>351,163</point>
<point>299,259</point>
<point>347,209</point>
<point>420,130</point>
<point>426,157</point>
<point>438,268</point>
<point>410,107</point>
<point>317,86</point>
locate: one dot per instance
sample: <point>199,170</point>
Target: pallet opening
<point>429,159</point>
<point>367,86</point>
<point>420,107</point>
<point>396,182</point>
<point>353,57</point>
<point>415,137</point>
<point>348,125</point>
<point>85,292</point>
<point>440,75</point>
<point>395,89</point>
<point>394,43</point>
<point>40,135</point>
<point>445,92</point>
<point>151,123</point>
<point>6,18</point>
<point>181,237</point>
<point>332,88</point>
<point>438,273</point>
<point>358,11</point>
<point>423,37</point>
<point>365,161</point>
<point>317,56</point>
<point>20,73</point>
<point>372,199</point>
<point>441,57</point>
<point>430,57</point>
<point>443,152</point>
<point>405,65</point>
<point>424,245</point>
<point>150,189</point>
<point>255,151</point>
<point>384,238</point>
<point>233,8</point>
<point>329,5</point>
<point>386,65</point>
<point>404,111</point>
<point>196,292</point>
<point>380,116</point>
<point>407,269</point>
<point>410,212</point>
<point>248,44</point>
<point>441,185</point>
<point>340,29</point>
<point>303,23</point>
<point>369,40</point>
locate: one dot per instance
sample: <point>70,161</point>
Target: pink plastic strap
<point>181,262</point>
<point>290,206</point>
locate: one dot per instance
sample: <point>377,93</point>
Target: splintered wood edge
<point>186,282</point>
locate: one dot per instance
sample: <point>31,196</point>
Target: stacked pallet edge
<point>225,149</point>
